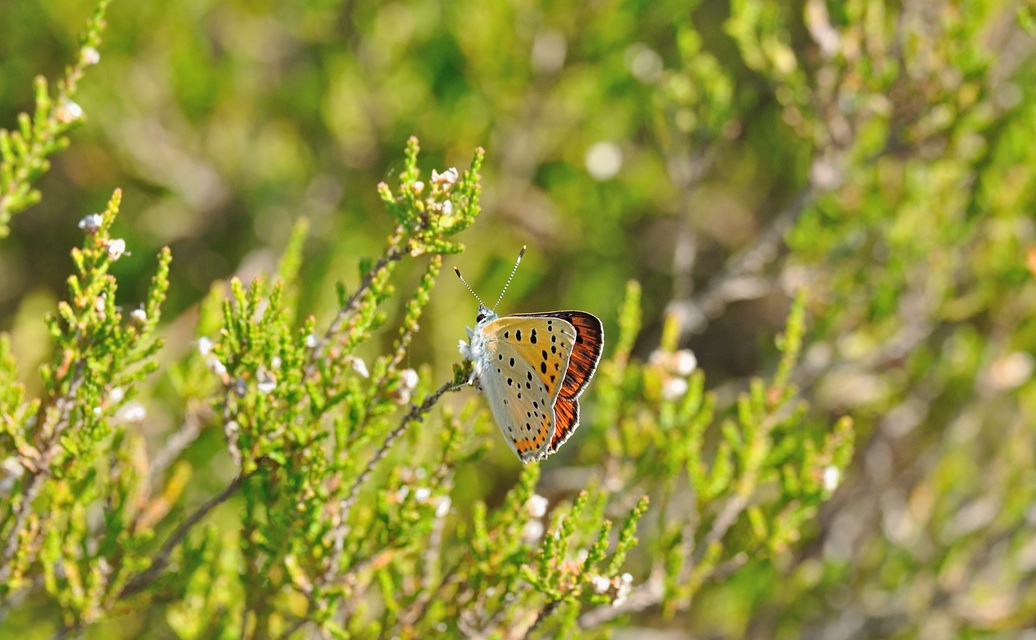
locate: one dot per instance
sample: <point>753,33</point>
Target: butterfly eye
<point>480,317</point>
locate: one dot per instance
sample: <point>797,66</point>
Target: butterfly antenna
<point>468,286</point>
<point>508,283</point>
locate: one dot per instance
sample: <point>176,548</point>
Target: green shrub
<point>300,467</point>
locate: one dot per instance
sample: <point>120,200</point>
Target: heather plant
<point>255,446</point>
<point>345,522</point>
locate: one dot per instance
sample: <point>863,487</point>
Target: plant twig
<point>392,255</point>
<point>188,432</point>
<point>547,611</point>
<point>50,447</point>
<point>640,598</point>
<point>739,280</point>
<point>415,414</point>
<point>143,579</point>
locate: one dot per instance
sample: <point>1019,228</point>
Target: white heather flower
<point>68,112</point>
<point>408,377</point>
<point>407,383</point>
<point>215,366</point>
<point>832,476</point>
<point>359,366</point>
<point>447,207</point>
<point>536,506</point>
<point>443,507</point>
<point>139,316</point>
<point>132,412</point>
<point>600,583</point>
<point>684,362</point>
<point>623,592</point>
<point>421,494</point>
<point>680,363</point>
<point>91,223</point>
<point>266,381</point>
<point>446,177</point>
<point>90,55</point>
<point>419,186</point>
<point>532,531</point>
<point>116,248</point>
<point>204,345</point>
<point>674,388</point>
<point>402,493</point>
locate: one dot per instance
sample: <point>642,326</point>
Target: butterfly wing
<point>545,343</point>
<point>566,419</point>
<point>540,358</point>
<point>587,341</point>
<point>522,375</point>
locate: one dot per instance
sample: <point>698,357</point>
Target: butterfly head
<point>485,315</point>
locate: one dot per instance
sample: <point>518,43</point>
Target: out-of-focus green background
<point>879,154</point>
<point>224,122</point>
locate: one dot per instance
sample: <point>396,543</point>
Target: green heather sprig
<point>102,355</point>
<point>340,499</point>
<point>297,496</point>
<point>24,152</point>
<point>660,416</point>
<point>308,422</point>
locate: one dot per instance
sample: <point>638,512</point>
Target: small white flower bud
<point>532,531</point>
<point>536,506</point>
<point>91,223</point>
<point>116,248</point>
<point>204,345</point>
<point>832,476</point>
<point>267,382</point>
<point>68,112</point>
<point>90,55</point>
<point>133,413</point>
<point>359,366</point>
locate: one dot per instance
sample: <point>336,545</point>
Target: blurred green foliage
<point>875,156</point>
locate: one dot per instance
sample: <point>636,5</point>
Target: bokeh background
<point>723,154</point>
<point>224,122</point>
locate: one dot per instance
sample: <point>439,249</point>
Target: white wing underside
<point>518,383</point>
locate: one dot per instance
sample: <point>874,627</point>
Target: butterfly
<point>532,367</point>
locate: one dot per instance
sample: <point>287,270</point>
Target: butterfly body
<point>532,368</point>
